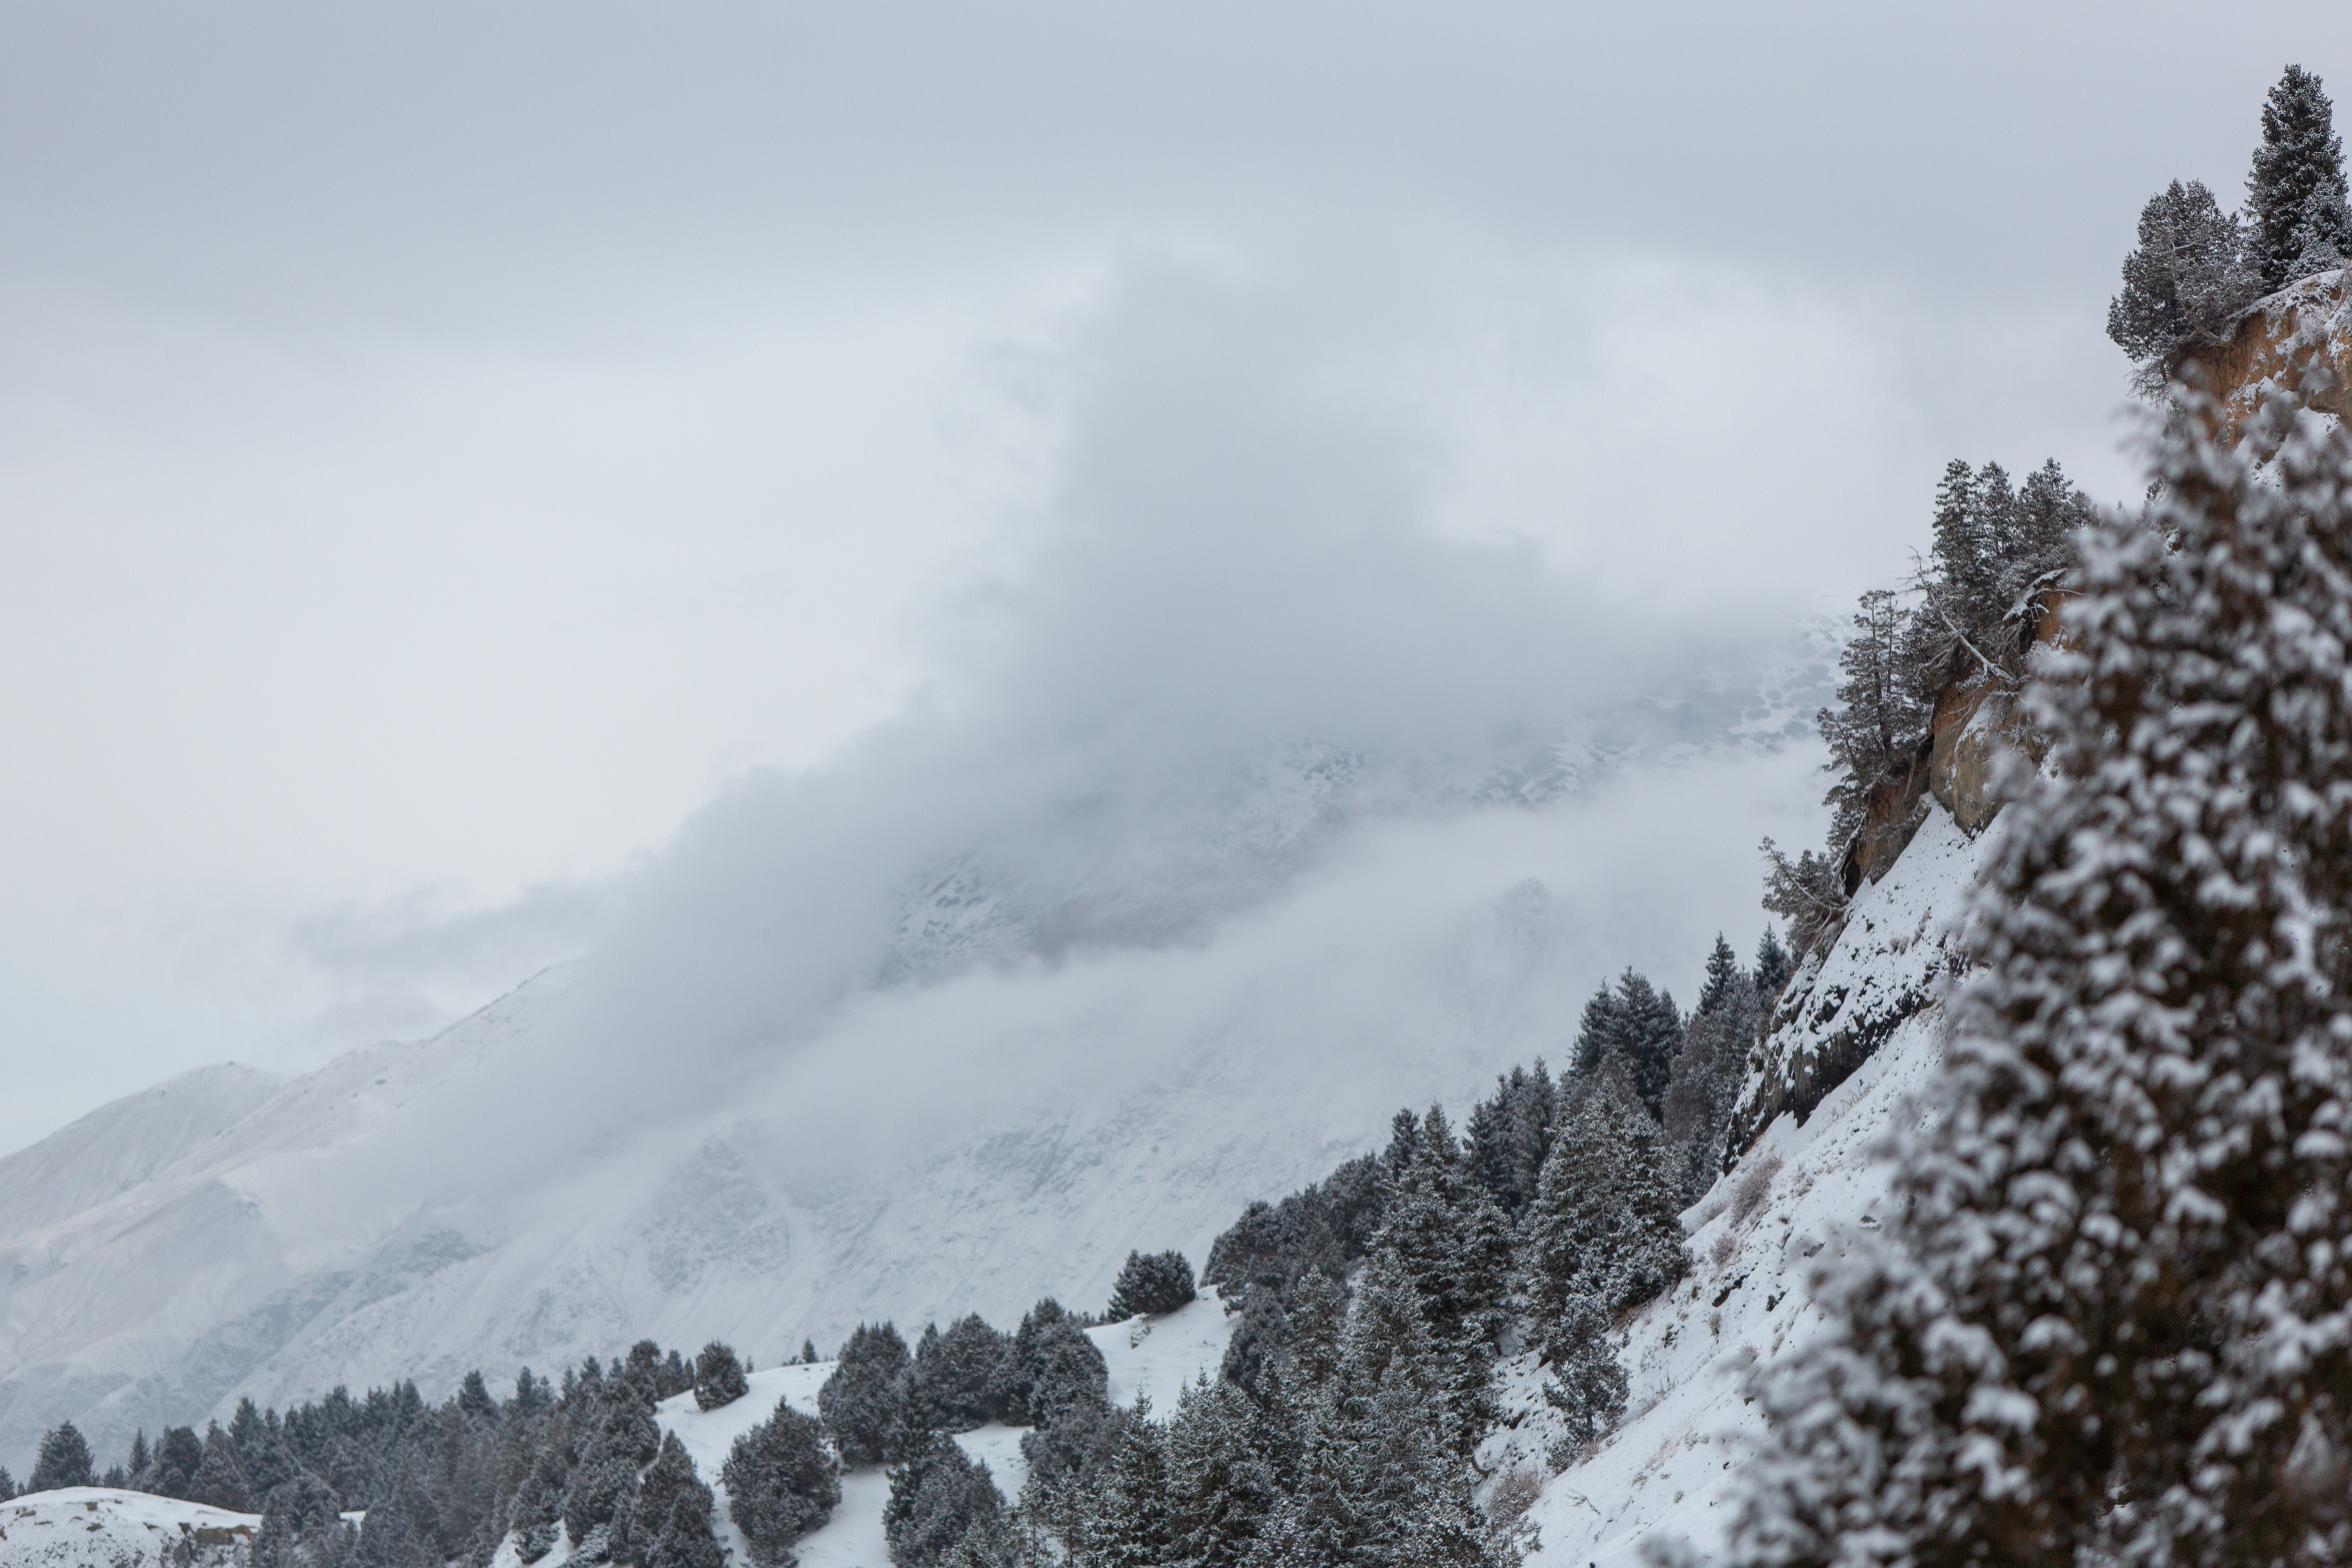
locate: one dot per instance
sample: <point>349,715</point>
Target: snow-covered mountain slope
<point>1795,1200</point>
<point>96,1527</point>
<point>769,1111</point>
<point>1150,1357</point>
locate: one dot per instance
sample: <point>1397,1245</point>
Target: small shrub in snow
<point>1513,1495</point>
<point>1755,1190</point>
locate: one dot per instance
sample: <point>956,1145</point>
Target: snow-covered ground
<point>1152,1357</point>
<point>1796,1200</point>
<point>97,1527</point>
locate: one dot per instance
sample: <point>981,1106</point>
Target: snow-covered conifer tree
<point>718,1377</point>
<point>2187,283</point>
<point>2296,194</point>
<point>781,1484</point>
<point>1605,1223</point>
<point>1220,1488</point>
<point>63,1461</point>
<point>861,1400</point>
<point>2113,1321</point>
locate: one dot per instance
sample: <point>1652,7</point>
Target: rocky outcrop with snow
<point>1804,1190</point>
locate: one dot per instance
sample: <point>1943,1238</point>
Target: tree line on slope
<point>1970,613</point>
<point>2110,1317</point>
<point>1373,1309</point>
<point>2197,269</point>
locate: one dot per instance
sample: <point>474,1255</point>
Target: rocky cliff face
<point>2305,328</point>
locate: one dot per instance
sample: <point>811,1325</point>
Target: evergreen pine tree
<point>1601,1031</point>
<point>2295,194</point>
<point>808,1352</point>
<point>955,1382</point>
<point>1773,966</point>
<point>670,1522</point>
<point>1605,1223</point>
<point>1880,720</point>
<point>781,1484</point>
<point>63,1461</point>
<point>1220,1488</point>
<point>941,1500</point>
<point>2111,1322</point>
<point>1129,1525</point>
<point>177,1456</point>
<point>2186,284</point>
<point>719,1377</point>
<point>1150,1286</point>
<point>860,1401</point>
<point>1452,1241</point>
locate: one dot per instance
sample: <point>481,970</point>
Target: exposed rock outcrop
<point>2305,327</point>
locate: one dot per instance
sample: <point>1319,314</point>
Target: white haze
<point>450,447</point>
<point>1237,569</point>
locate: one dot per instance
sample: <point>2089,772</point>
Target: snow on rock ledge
<point>1893,959</point>
<point>1807,1188</point>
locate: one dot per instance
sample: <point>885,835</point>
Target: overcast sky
<point>447,445</point>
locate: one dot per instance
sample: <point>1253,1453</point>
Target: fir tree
<point>1220,1488</point>
<point>1453,1245</point>
<point>941,1500</point>
<point>1052,1370</point>
<point>1148,1286</point>
<point>1773,966</point>
<point>1605,1223</point>
<point>2112,1322</point>
<point>219,1480</point>
<point>781,1484</point>
<point>956,1381</point>
<point>2296,194</point>
<point>1130,1526</point>
<point>670,1524</point>
<point>718,1377</point>
<point>1880,718</point>
<point>1588,1383</point>
<point>2185,285</point>
<point>177,1455</point>
<point>63,1461</point>
<point>861,1403</point>
<point>808,1352</point>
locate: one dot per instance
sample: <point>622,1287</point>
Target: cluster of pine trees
<point>1375,1308</point>
<point>2197,269</point>
<point>1969,615</point>
<point>2111,1321</point>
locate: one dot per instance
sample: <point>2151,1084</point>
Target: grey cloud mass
<point>996,449</point>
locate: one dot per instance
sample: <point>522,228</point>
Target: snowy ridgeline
<point>1793,1202</point>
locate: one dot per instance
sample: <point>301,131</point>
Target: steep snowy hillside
<point>1796,1198</point>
